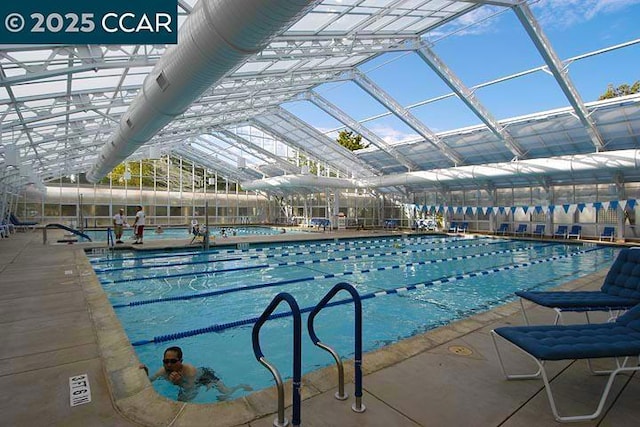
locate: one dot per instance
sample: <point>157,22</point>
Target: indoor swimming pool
<point>207,302</point>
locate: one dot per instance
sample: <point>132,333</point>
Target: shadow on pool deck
<point>58,323</point>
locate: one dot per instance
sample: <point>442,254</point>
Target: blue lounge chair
<point>463,227</point>
<point>522,228</point>
<point>453,227</point>
<point>619,339</point>
<point>503,229</point>
<point>15,221</point>
<point>575,231</point>
<point>538,231</point>
<point>608,233</point>
<point>620,291</point>
<point>561,232</point>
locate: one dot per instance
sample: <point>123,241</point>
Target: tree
<point>622,90</point>
<point>350,141</point>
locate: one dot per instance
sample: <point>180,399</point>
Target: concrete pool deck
<point>58,324</point>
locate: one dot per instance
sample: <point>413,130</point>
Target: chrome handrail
<point>110,239</point>
<point>358,406</point>
<point>281,421</point>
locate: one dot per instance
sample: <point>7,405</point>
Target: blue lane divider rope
<point>243,322</point>
<point>352,242</point>
<point>205,294</point>
<point>281,255</point>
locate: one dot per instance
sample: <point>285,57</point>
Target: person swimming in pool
<point>189,378</point>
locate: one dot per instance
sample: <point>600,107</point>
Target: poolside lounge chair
<point>620,291</point>
<point>21,225</point>
<point>575,231</point>
<point>619,339</point>
<point>608,233</point>
<point>463,227</point>
<point>503,229</point>
<point>522,229</point>
<point>453,227</point>
<point>539,230</point>
<point>561,231</point>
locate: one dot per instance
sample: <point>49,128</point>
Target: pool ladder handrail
<point>358,406</point>
<point>110,239</point>
<point>281,421</point>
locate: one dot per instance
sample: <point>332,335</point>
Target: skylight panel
<point>39,103</point>
<point>353,60</point>
<point>336,8</point>
<point>422,25</point>
<point>379,23</point>
<point>37,88</point>
<point>283,65</point>
<point>400,23</point>
<point>376,3</point>
<point>346,22</point>
<point>31,56</point>
<point>133,80</point>
<point>411,4</point>
<point>340,2</point>
<point>435,5</point>
<point>253,67</point>
<point>93,82</point>
<point>456,7</point>
<point>313,22</point>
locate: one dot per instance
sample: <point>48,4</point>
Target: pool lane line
<point>487,305</point>
<point>197,251</point>
<point>216,292</point>
<point>317,261</point>
<point>244,322</point>
<point>286,254</point>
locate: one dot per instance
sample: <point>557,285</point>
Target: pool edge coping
<point>134,397</point>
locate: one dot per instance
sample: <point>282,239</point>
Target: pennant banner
<point>631,203</point>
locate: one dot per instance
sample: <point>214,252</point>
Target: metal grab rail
<point>281,421</point>
<point>110,238</point>
<point>340,394</point>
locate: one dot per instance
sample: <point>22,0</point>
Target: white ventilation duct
<point>217,36</point>
<point>613,160</point>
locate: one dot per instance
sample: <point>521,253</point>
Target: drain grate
<point>460,350</point>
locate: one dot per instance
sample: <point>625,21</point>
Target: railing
<point>340,394</point>
<point>110,238</point>
<point>281,421</point>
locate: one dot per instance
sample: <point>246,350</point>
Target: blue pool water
<point>184,233</point>
<point>168,295</point>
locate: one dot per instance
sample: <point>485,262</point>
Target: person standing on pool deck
<point>188,377</point>
<point>138,226</point>
<point>118,223</point>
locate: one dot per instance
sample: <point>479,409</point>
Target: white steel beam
<point>559,71</point>
<point>343,117</point>
<point>406,116</point>
<point>468,97</point>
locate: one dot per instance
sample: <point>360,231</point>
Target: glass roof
<point>60,104</point>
